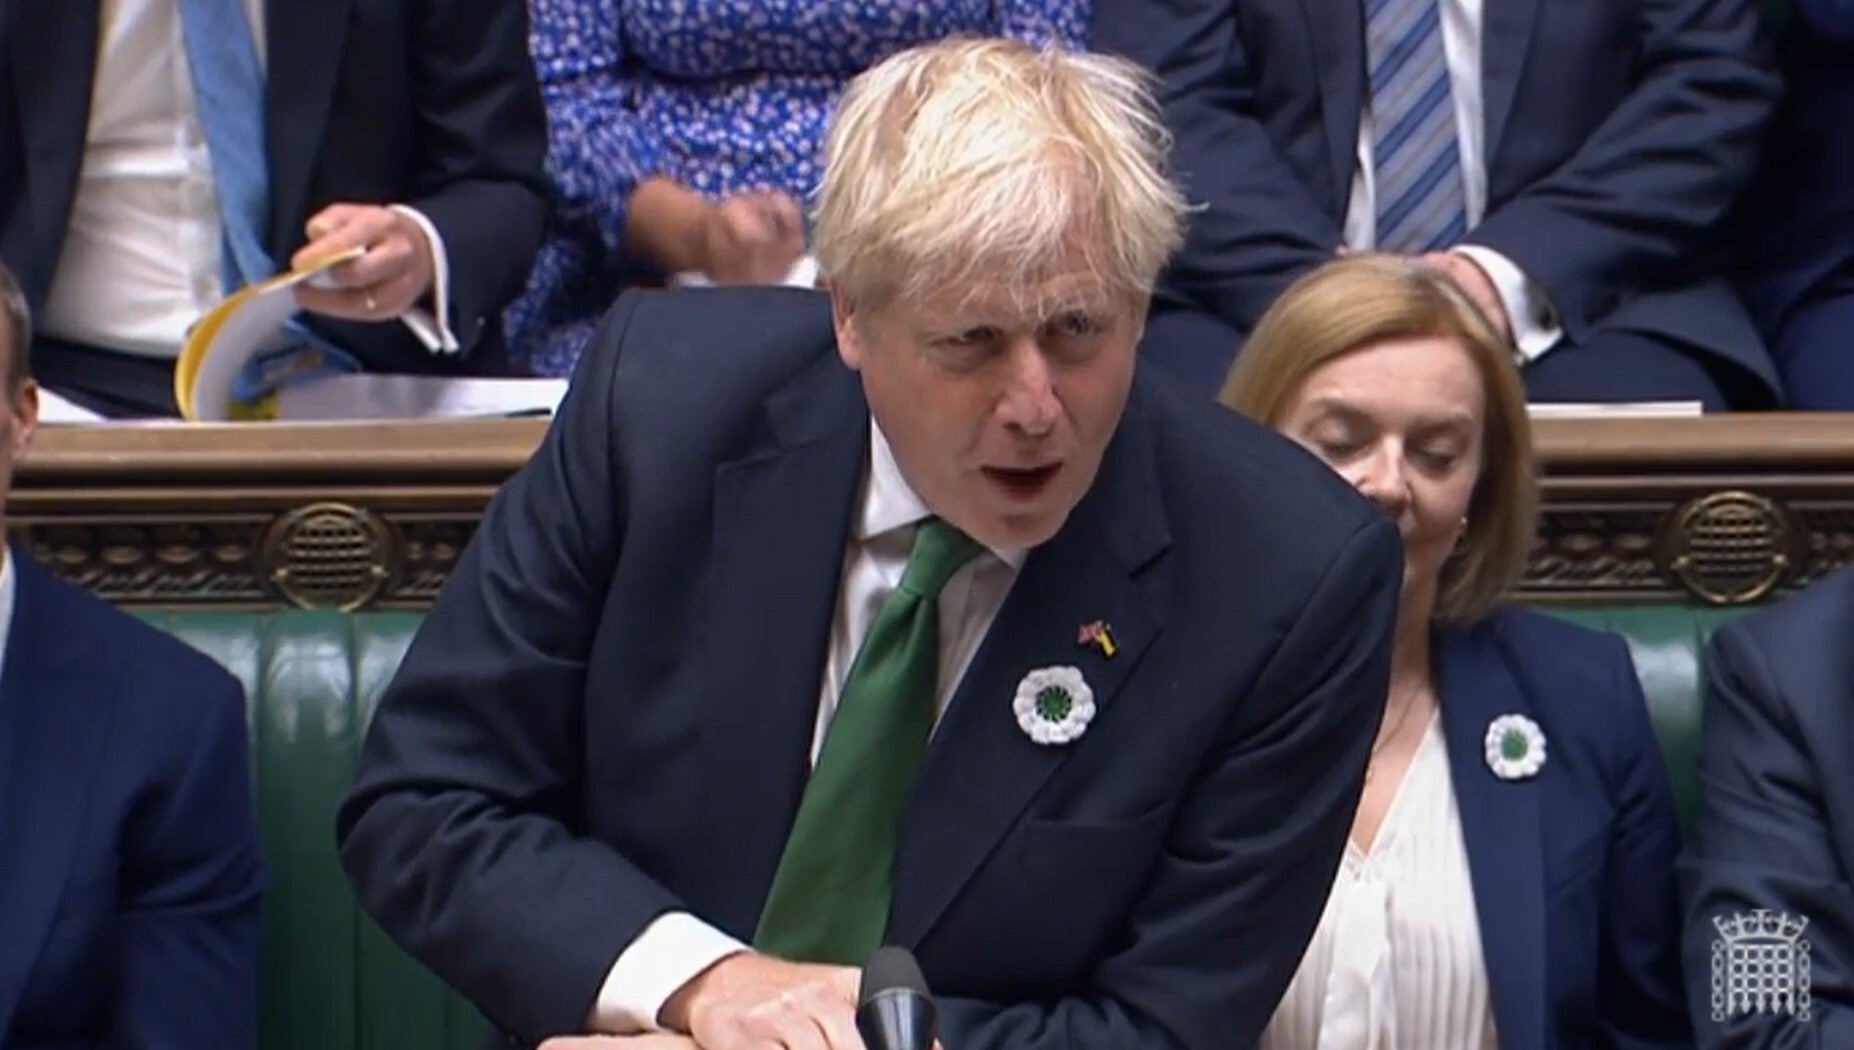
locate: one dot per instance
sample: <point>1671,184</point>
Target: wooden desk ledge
<point>1718,510</point>
<point>340,516</point>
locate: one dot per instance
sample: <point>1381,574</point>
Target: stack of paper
<point>251,322</point>
<point>1614,410</point>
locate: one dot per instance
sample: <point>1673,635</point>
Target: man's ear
<point>843,320</point>
<point>25,420</point>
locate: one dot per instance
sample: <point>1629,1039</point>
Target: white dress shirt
<point>141,259</point>
<point>678,946</point>
<point>9,587</point>
<point>1536,328</point>
<point>1396,962</point>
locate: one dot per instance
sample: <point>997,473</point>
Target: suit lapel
<point>982,769</point>
<point>1506,35</point>
<point>51,731</point>
<point>302,58</point>
<point>782,521</point>
<point>1500,824</point>
<point>1336,29</point>
<point>53,53</point>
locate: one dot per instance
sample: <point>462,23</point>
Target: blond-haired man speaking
<point>903,614</point>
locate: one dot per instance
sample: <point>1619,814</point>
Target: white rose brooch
<point>1054,705</point>
<point>1515,747</point>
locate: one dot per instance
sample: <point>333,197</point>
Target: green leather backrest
<point>1667,643</point>
<point>332,979</point>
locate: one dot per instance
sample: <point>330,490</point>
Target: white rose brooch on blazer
<point>1054,705</point>
<point>1515,747</point>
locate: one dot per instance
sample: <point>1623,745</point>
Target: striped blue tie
<point>1421,203</point>
<point>228,91</point>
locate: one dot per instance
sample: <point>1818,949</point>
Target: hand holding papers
<point>225,342</point>
<point>247,360</point>
<point>398,270</point>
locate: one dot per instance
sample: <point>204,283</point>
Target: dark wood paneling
<point>1721,510</point>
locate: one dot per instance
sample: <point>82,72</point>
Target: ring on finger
<point>371,305</point>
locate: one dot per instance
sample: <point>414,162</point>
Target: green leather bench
<point>333,981</point>
<point>1667,643</point>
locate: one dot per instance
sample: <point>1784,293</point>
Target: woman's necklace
<point>1403,717</point>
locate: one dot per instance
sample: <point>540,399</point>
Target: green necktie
<point>830,897</point>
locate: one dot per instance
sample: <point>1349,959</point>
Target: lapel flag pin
<point>1099,635</point>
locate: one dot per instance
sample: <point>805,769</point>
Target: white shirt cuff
<point>1529,312</point>
<point>434,331</point>
<point>672,951</point>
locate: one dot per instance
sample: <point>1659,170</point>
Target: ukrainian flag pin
<point>1099,635</point>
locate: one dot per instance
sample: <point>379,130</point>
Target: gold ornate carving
<point>431,551</point>
<point>1727,509</point>
<point>330,556</point>
<point>316,556</point>
<point>1824,538</point>
<point>1730,547</point>
<point>1581,550</point>
<point>256,516</point>
<point>154,563</point>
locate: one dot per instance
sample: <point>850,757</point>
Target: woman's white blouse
<point>1396,962</point>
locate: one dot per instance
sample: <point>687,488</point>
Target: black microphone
<point>894,1009</point>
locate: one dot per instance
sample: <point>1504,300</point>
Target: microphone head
<point>895,1010</point>
<point>891,969</point>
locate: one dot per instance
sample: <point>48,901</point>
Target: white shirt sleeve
<point>1534,320</point>
<point>434,331</point>
<point>672,951</point>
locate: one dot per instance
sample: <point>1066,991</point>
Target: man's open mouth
<point>1023,482</point>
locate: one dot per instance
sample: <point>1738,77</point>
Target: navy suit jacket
<point>1573,869</point>
<point>1618,135</point>
<point>1775,825</point>
<point>1799,216</point>
<point>608,712</point>
<point>130,864</point>
<point>430,104</point>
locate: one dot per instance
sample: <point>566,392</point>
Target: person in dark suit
<point>1568,164</point>
<point>155,154</point>
<point>923,620</point>
<point>132,871</point>
<point>1797,269</point>
<point>1510,875</point>
<point>1766,873</point>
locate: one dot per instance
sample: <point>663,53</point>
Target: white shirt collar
<point>889,503</point>
<point>9,585</point>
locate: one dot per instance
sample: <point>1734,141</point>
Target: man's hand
<point>395,273</point>
<point>1474,282</point>
<point>753,238</point>
<point>756,1002</point>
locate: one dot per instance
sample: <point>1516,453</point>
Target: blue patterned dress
<point>722,96</point>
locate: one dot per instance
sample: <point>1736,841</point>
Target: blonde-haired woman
<point>1509,878</point>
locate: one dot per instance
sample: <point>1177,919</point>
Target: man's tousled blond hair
<point>975,159</point>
